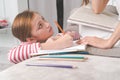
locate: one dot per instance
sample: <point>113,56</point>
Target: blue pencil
<point>52,65</point>
<point>64,56</point>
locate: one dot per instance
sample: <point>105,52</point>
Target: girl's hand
<point>65,41</point>
<point>74,34</point>
<point>60,43</point>
<point>57,36</point>
<point>50,40</point>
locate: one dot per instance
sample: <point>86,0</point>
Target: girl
<point>35,33</point>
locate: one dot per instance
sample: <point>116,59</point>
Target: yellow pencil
<point>59,27</point>
<point>65,59</point>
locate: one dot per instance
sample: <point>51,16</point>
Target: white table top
<point>95,68</point>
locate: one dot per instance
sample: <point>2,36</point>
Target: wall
<point>2,9</point>
<point>10,9</point>
<point>13,7</point>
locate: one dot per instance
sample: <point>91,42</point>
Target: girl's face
<point>41,29</point>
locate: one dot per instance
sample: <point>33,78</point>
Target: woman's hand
<point>99,5</point>
<point>95,42</point>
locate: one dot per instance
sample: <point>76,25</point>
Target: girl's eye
<point>39,26</point>
<point>43,19</point>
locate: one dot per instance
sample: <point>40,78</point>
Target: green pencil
<point>65,57</point>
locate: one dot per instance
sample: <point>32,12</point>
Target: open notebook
<point>71,50</point>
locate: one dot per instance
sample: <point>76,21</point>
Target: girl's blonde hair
<point>21,27</point>
<point>85,2</point>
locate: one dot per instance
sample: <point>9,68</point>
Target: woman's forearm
<point>115,36</point>
<point>99,5</point>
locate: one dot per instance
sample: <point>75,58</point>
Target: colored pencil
<point>59,27</point>
<point>63,56</point>
<point>52,65</point>
<point>63,59</point>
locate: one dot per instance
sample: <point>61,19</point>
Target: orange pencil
<point>59,27</point>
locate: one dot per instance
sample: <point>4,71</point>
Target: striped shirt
<point>23,51</point>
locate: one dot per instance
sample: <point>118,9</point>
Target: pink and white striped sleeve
<point>22,52</point>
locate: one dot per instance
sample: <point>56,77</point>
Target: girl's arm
<point>61,43</point>
<point>99,5</point>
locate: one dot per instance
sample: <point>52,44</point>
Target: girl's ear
<point>31,40</point>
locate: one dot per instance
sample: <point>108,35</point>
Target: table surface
<point>95,68</point>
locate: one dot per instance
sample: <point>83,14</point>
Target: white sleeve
<point>118,8</point>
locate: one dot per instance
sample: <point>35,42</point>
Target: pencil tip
<point>75,67</point>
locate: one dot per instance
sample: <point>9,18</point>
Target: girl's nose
<point>47,25</point>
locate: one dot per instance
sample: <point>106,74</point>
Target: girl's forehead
<point>37,15</point>
<point>37,19</point>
